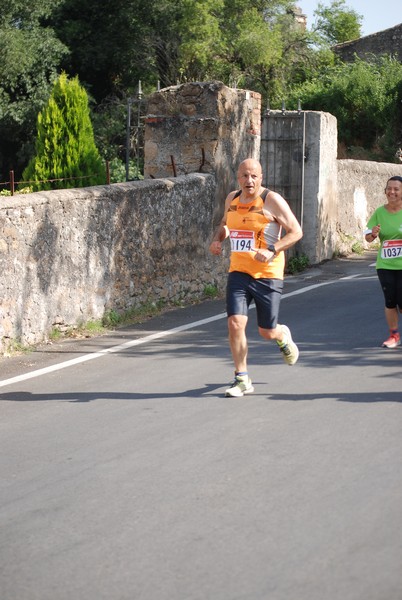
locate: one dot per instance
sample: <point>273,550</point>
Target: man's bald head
<point>250,164</point>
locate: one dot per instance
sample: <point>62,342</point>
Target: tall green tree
<point>110,43</point>
<point>337,23</point>
<point>240,42</point>
<point>30,55</point>
<point>202,45</point>
<point>65,146</point>
<point>112,46</point>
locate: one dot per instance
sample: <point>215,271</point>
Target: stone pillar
<point>202,127</point>
<point>320,187</point>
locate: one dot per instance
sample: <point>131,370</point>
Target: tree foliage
<point>110,47</point>
<point>202,44</point>
<point>336,23</point>
<point>108,42</point>
<point>365,97</point>
<point>30,55</point>
<point>65,146</point>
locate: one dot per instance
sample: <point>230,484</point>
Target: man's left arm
<point>282,212</point>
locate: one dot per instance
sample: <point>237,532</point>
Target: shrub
<point>65,146</point>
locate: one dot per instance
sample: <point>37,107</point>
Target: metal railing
<point>11,184</point>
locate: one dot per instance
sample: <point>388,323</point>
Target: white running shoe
<point>241,385</point>
<point>290,352</point>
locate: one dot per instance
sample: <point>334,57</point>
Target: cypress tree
<point>65,145</point>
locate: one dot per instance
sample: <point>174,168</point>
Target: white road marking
<point>151,337</point>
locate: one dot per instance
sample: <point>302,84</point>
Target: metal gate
<point>283,155</point>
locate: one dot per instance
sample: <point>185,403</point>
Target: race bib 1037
<point>391,249</point>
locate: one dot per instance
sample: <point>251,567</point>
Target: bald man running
<point>260,226</point>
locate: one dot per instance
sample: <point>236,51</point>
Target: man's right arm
<point>222,231</point>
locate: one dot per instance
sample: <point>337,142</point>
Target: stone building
<point>299,17</point>
<point>388,41</point>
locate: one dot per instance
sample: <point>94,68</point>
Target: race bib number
<point>391,249</point>
<point>241,241</point>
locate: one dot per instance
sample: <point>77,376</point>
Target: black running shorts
<point>391,283</point>
<point>242,289</point>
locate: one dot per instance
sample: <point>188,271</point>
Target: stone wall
<point>69,256</point>
<point>388,41</point>
<point>361,187</point>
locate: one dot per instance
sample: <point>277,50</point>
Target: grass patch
<point>14,348</point>
<point>113,318</point>
<point>211,291</point>
<point>297,264</point>
<point>358,248</point>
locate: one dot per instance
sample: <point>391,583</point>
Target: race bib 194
<point>391,249</point>
<point>241,241</point>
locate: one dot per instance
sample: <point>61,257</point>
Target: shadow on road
<point>207,391</point>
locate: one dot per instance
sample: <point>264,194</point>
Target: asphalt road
<point>126,475</point>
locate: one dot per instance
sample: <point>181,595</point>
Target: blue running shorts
<point>242,289</point>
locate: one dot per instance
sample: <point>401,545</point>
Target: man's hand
<point>216,248</point>
<point>263,255</point>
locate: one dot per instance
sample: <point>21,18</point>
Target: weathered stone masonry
<point>202,127</point>
<point>69,256</point>
<point>384,42</point>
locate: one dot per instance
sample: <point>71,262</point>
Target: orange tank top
<point>250,228</point>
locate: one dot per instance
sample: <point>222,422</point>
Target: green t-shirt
<point>390,253</point>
